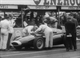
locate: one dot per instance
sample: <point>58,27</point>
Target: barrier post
<point>58,9</point>
<point>22,16</point>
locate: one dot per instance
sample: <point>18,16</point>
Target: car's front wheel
<point>38,43</point>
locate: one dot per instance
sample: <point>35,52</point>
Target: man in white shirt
<point>47,32</point>
<point>27,36</point>
<point>12,24</point>
<point>49,29</point>
<point>29,29</point>
<point>5,28</point>
<point>57,33</point>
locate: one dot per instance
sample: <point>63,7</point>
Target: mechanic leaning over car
<point>5,28</point>
<point>48,28</point>
<point>57,29</point>
<point>27,33</point>
<point>29,29</point>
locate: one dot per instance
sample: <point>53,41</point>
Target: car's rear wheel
<point>39,43</point>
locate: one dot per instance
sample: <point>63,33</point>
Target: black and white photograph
<point>39,28</point>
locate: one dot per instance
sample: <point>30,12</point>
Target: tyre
<point>38,43</point>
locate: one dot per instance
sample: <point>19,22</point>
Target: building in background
<point>27,9</point>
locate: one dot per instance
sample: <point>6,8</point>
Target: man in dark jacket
<point>70,27</point>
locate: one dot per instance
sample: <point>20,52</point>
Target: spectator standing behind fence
<point>12,24</point>
<point>70,27</point>
<point>5,28</point>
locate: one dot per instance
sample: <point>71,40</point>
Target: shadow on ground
<point>32,49</point>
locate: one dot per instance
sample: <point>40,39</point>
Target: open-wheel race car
<point>36,41</point>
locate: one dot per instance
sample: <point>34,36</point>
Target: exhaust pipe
<point>16,43</point>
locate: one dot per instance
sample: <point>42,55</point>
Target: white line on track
<point>29,53</point>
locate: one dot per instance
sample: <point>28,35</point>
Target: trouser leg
<point>70,42</point>
<point>5,38</point>
<point>64,41</point>
<point>67,43</point>
<point>74,41</point>
<point>47,35</point>
<point>74,44</point>
<point>8,43</point>
<point>51,39</point>
<point>1,41</point>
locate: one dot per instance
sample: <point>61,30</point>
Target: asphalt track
<point>55,52</point>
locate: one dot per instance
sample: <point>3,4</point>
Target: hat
<point>47,20</point>
<point>52,20</point>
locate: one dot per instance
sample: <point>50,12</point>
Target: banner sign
<point>70,8</point>
<point>42,7</point>
<point>58,2</point>
<point>43,2</point>
<point>8,7</point>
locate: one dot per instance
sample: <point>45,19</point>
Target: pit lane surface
<point>56,52</point>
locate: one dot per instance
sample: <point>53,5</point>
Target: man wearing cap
<point>5,28</point>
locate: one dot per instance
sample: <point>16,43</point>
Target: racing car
<point>36,41</point>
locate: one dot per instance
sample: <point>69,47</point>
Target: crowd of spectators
<point>63,17</point>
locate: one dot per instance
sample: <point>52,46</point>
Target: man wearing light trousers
<point>5,27</point>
